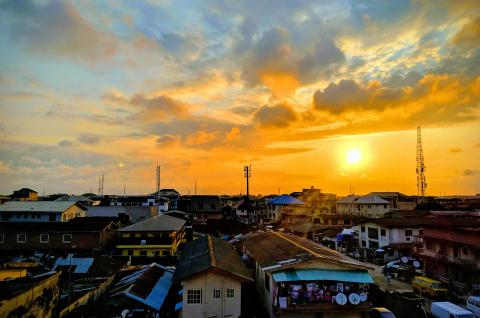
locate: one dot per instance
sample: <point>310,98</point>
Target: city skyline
<point>310,94</point>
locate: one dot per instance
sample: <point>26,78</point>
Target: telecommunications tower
<point>421,182</point>
<point>247,173</point>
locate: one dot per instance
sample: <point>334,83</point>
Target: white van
<point>473,304</point>
<point>445,309</point>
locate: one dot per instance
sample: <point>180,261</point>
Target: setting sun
<point>353,156</point>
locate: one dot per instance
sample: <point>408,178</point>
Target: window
<point>420,232</point>
<point>217,293</point>
<point>2,238</point>
<point>130,252</point>
<point>52,217</point>
<point>166,253</point>
<point>21,238</point>
<point>230,293</point>
<point>67,238</point>
<point>143,253</point>
<point>44,238</point>
<point>465,251</point>
<point>383,232</point>
<point>408,232</point>
<point>363,228</point>
<point>194,296</point>
<point>373,233</point>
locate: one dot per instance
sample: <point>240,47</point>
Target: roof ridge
<point>213,261</point>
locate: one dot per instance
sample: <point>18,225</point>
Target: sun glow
<point>353,156</point>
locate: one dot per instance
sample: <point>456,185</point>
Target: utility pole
<point>157,193</point>
<point>247,172</point>
<point>421,181</point>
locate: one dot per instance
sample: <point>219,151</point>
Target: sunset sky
<point>322,93</point>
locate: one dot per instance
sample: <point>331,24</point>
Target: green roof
<point>208,253</point>
<point>312,274</point>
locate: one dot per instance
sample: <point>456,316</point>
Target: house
<point>160,235</point>
<point>370,206</point>
<point>80,234</point>
<point>34,296</point>
<point>133,200</point>
<point>133,213</point>
<point>398,200</point>
<point>40,211</point>
<point>296,277</point>
<point>211,273</point>
<point>451,252</point>
<point>75,198</point>
<point>276,205</point>
<point>248,212</point>
<point>396,236</point>
<point>24,194</point>
<point>202,207</point>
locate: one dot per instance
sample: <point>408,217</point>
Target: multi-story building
<point>370,206</point>
<point>396,236</point>
<point>24,194</point>
<point>299,278</point>
<point>40,211</point>
<point>202,207</point>
<point>79,234</point>
<point>160,235</point>
<point>451,253</point>
<point>211,273</point>
<point>276,205</point>
<point>316,204</point>
<point>398,200</point>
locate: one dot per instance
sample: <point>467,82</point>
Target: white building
<point>390,232</point>
<point>211,273</point>
<point>370,206</point>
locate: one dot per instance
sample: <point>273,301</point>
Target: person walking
<point>389,281</point>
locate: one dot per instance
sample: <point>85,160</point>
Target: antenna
<point>100,185</point>
<point>247,173</point>
<point>157,193</point>
<point>421,181</point>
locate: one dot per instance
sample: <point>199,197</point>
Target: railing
<point>145,241</point>
<point>324,307</point>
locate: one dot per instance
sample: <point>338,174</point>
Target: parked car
<point>431,287</point>
<point>381,312</point>
<point>473,304</point>
<point>445,309</point>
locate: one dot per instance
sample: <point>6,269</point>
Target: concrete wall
<point>210,307</point>
<point>392,235</point>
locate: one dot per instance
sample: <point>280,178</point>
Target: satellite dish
<point>341,299</point>
<point>124,313</point>
<point>416,264</point>
<point>404,260</point>
<point>363,297</point>
<point>354,299</point>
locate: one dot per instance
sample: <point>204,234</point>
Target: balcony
<point>145,241</point>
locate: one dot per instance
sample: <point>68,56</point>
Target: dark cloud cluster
<point>278,116</point>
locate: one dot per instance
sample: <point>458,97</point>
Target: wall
<point>207,282</point>
<point>392,235</point>
<point>47,289</point>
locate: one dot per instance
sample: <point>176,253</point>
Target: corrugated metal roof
<point>372,199</point>
<point>210,252</point>
<point>312,274</point>
<point>82,265</point>
<point>286,199</point>
<point>38,206</point>
<point>349,199</point>
<point>158,223</point>
<point>135,213</point>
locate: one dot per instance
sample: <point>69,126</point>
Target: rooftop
<point>286,199</point>
<point>270,248</point>
<point>38,206</point>
<point>158,223</point>
<point>135,213</point>
<point>80,224</point>
<point>208,253</point>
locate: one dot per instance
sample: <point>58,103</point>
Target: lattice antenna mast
<point>100,185</point>
<point>247,173</point>
<point>157,192</point>
<point>421,182</point>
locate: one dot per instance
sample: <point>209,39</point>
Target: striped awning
<point>310,274</point>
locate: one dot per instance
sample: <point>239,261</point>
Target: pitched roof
<point>38,206</point>
<point>135,213</point>
<point>285,199</point>
<point>270,248</point>
<point>349,199</point>
<point>74,198</point>
<point>387,194</point>
<point>207,253</point>
<point>371,199</point>
<point>158,223</point>
<point>80,224</point>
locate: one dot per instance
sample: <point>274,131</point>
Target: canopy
<point>309,274</point>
